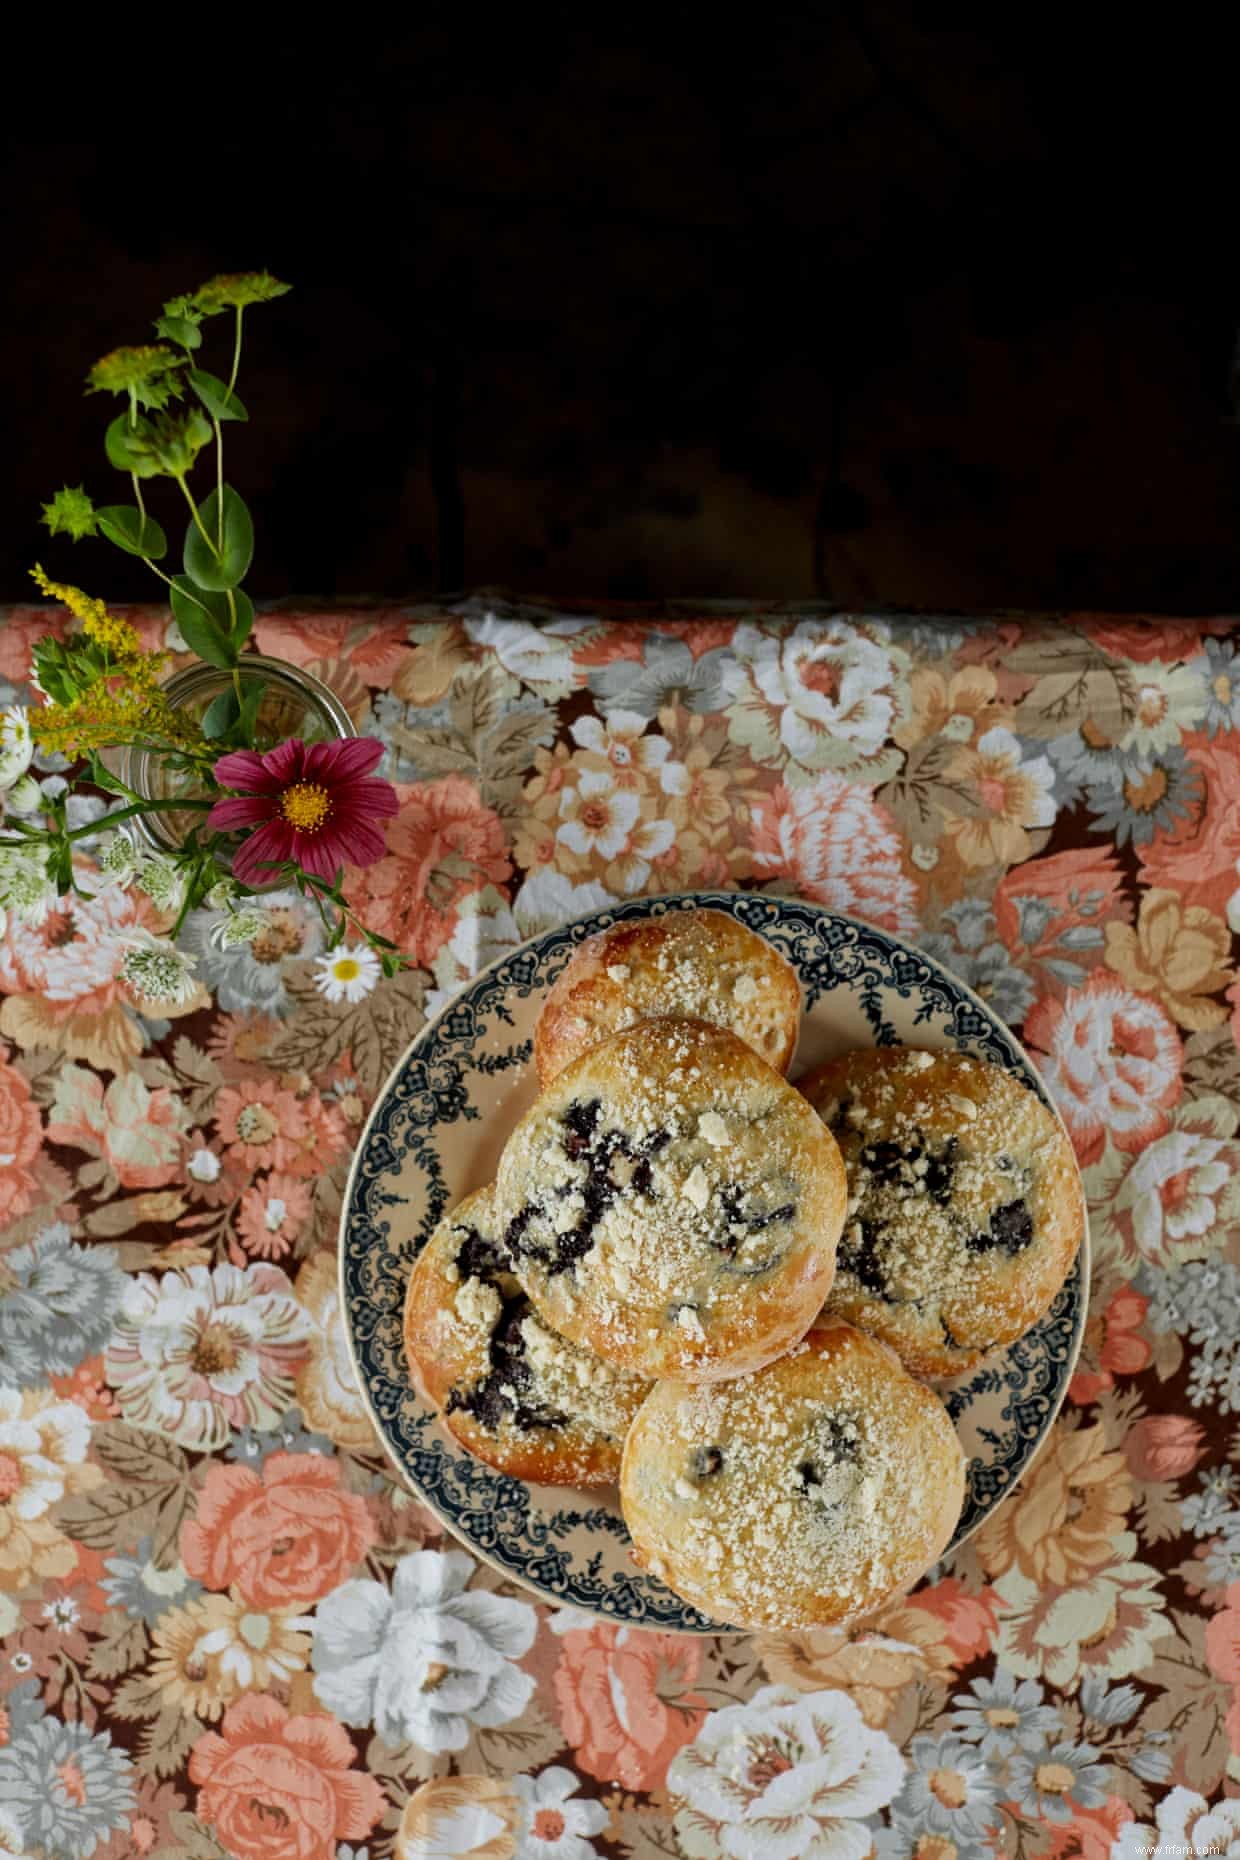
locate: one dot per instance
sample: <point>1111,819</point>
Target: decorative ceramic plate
<point>436,1132</point>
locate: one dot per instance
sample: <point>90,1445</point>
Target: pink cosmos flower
<point>313,803</point>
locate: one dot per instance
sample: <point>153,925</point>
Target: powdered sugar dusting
<point>809,1491</point>
<point>739,1231</point>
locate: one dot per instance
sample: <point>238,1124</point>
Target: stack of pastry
<point>724,1292</point>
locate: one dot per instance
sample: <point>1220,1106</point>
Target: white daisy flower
<point>347,974</point>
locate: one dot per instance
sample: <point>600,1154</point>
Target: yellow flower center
<point>1222,688</point>
<point>346,969</point>
<point>306,805</point>
<point>935,1847</point>
<point>950,1787</point>
<point>1054,1778</point>
<point>255,1124</point>
<point>281,936</point>
<point>1144,793</point>
<point>214,1351</point>
<point>1002,1717</point>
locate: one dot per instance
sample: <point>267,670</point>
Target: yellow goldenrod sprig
<point>116,636</point>
<point>107,718</point>
<point>103,692</point>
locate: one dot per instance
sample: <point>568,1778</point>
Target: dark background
<point>852,305</point>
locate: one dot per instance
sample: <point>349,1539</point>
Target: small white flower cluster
<point>25,886</point>
<point>24,798</point>
<point>16,749</point>
<point>153,873</point>
<point>164,884</point>
<point>118,858</point>
<point>244,920</point>
<point>157,971</point>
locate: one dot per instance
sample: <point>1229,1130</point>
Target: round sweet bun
<point>965,1203</point>
<point>805,1495</point>
<point>703,965</point>
<point>671,1203</point>
<point>508,1389</point>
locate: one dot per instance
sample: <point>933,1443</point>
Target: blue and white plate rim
<point>633,1599</point>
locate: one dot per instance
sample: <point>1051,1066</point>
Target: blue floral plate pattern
<point>436,1131</point>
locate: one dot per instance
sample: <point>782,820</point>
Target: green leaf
<point>198,614</point>
<point>220,715</point>
<point>251,697</point>
<point>179,329</point>
<point>125,525</point>
<point>211,566</point>
<point>103,776</point>
<point>123,445</point>
<point>215,396</point>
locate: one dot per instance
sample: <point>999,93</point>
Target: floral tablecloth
<point>229,1631</point>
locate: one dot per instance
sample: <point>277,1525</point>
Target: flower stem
<point>232,379</point>
<point>219,480</point>
<point>202,528</point>
<point>139,807</point>
<point>183,913</point>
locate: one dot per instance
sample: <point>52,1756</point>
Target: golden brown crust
<point>700,964</point>
<point>805,1495</point>
<point>952,1263</point>
<point>450,1322</point>
<point>670,1202</point>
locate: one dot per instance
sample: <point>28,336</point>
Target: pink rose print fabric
<point>227,1633</point>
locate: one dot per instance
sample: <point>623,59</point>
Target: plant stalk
<point>197,515</point>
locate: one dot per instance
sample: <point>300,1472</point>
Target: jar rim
<point>192,680</point>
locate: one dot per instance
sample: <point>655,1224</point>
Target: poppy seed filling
<point>907,1171</point>
<point>597,1150</point>
<point>509,1377</point>
<point>740,1225</point>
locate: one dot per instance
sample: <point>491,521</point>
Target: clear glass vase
<point>294,703</point>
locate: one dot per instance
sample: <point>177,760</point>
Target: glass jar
<point>294,703</point>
